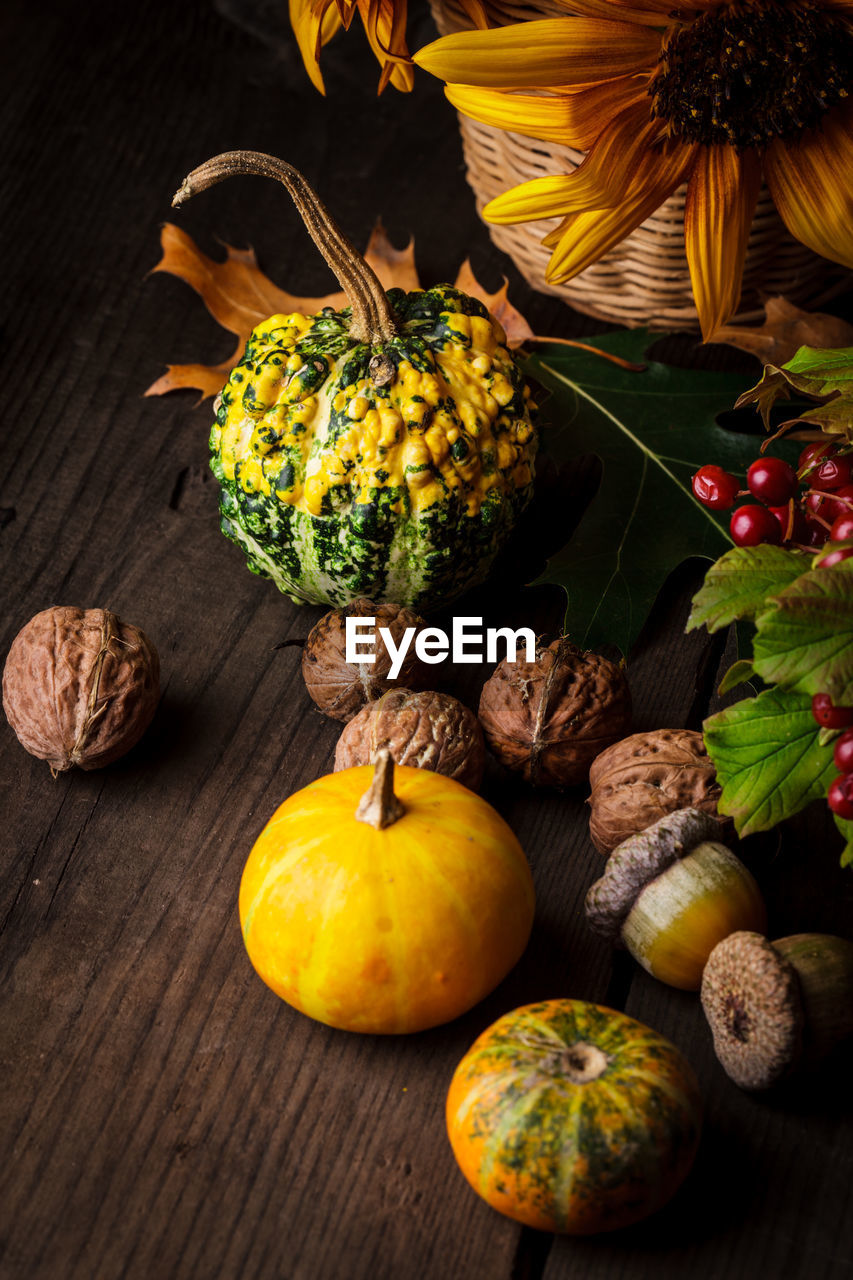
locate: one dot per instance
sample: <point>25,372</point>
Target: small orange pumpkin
<point>385,902</point>
<point>571,1117</point>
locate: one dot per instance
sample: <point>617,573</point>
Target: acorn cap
<point>751,997</point>
<point>640,859</point>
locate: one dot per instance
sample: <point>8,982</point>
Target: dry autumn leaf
<point>786,328</point>
<point>238,295</point>
<point>515,326</point>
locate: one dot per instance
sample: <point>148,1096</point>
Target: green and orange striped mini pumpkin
<point>571,1117</point>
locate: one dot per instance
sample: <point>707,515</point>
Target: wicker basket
<point>645,279</point>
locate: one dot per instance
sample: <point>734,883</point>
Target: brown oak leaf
<point>514,325</point>
<point>786,328</point>
<point>238,295</point>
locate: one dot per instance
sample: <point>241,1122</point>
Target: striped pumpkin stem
<point>373,318</point>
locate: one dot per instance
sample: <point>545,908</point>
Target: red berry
<point>843,753</point>
<point>834,557</point>
<point>828,715</point>
<point>830,507</point>
<point>832,473</point>
<point>771,481</point>
<point>840,796</point>
<point>799,525</point>
<point>842,528</point>
<point>817,503</point>
<point>844,498</point>
<point>812,452</point>
<point>750,526</point>
<point>715,488</point>
<point>816,534</point>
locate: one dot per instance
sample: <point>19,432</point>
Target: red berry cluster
<point>840,796</point>
<point>803,508</point>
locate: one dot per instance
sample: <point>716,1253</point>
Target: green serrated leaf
<point>652,432</point>
<point>768,759</point>
<point>831,366</point>
<point>738,585</point>
<point>846,829</point>
<point>836,417</point>
<point>822,374</point>
<point>804,639</point>
<point>774,384</point>
<point>738,673</point>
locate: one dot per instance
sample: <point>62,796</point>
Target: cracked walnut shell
<point>550,718</point>
<point>80,687</point>
<point>645,776</point>
<point>426,730</point>
<point>340,688</point>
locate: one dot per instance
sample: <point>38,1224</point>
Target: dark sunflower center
<point>745,73</point>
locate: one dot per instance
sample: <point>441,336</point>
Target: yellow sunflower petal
<point>574,119</point>
<point>347,9</point>
<point>718,212</point>
<point>585,237</point>
<point>809,181</point>
<point>598,183</point>
<point>646,14</point>
<point>475,10</point>
<point>549,51</point>
<point>530,201</point>
<point>313,25</point>
<point>663,8</point>
<point>385,25</point>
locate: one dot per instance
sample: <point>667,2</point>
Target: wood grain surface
<point>162,1113</point>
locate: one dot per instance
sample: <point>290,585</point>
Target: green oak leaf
<point>738,585</point>
<point>652,431</point>
<point>768,758</point>
<point>804,639</point>
<point>846,828</point>
<point>821,374</point>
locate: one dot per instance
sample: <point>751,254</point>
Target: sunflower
<point>720,94</point>
<point>314,23</point>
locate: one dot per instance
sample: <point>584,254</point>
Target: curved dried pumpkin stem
<point>373,318</point>
<point>379,806</point>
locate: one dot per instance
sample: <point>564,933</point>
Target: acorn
<point>775,1008</point>
<point>670,893</point>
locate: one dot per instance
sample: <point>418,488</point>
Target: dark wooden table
<point>163,1113</point>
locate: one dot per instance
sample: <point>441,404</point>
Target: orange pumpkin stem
<point>379,806</point>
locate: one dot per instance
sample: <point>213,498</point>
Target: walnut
<point>640,779</point>
<point>550,718</point>
<point>80,687</point>
<point>427,730</point>
<point>342,688</point>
